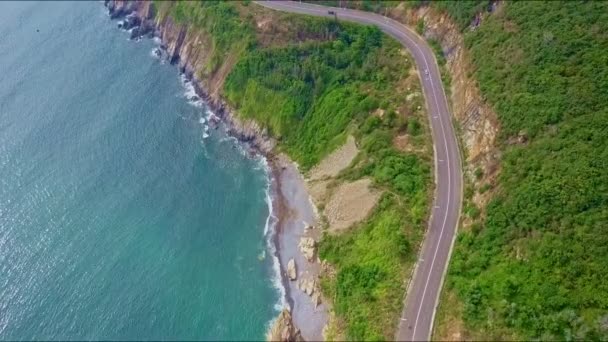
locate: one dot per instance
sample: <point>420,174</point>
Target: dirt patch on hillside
<point>337,161</point>
<point>350,203</point>
<point>318,191</point>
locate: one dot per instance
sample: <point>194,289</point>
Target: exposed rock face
<point>136,16</point>
<point>307,246</point>
<point>291,269</point>
<point>283,329</point>
<point>479,124</point>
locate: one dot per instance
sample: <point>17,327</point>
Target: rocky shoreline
<point>139,18</point>
<point>294,240</point>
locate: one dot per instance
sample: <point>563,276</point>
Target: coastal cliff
<point>189,50</point>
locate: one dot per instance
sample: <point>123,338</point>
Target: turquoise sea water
<point>118,219</point>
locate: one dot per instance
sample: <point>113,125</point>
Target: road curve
<point>422,297</point>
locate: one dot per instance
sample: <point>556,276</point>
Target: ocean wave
<point>241,147</point>
<point>190,92</point>
<point>269,234</point>
<point>159,54</point>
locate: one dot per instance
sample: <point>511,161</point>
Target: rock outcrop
<point>291,269</point>
<point>307,284</point>
<point>283,329</point>
<point>307,246</point>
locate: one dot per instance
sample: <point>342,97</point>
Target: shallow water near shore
<point>122,214</point>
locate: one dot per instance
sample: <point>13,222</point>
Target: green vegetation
<point>307,95</point>
<point>420,26</point>
<point>373,259</point>
<point>537,265</point>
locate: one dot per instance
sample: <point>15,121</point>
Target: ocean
<point>123,215</point>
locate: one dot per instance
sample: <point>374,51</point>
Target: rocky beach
<point>297,235</point>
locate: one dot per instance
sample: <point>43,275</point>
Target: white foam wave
<point>211,115</point>
<point>241,147</point>
<point>159,54</point>
<point>190,92</point>
<point>269,233</point>
<point>229,138</point>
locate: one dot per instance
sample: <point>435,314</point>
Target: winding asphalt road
<point>416,322</point>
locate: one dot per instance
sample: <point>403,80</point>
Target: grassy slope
<point>538,265</point>
<point>310,94</point>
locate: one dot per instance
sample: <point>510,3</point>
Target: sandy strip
<point>295,211</point>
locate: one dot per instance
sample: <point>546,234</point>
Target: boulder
<point>307,285</point>
<point>316,299</point>
<point>291,269</point>
<point>307,247</point>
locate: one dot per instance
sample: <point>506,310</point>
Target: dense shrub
<point>539,264</point>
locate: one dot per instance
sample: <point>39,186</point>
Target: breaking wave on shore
<point>270,237</point>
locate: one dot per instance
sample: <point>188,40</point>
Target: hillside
<point>536,265</point>
<point>311,83</point>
